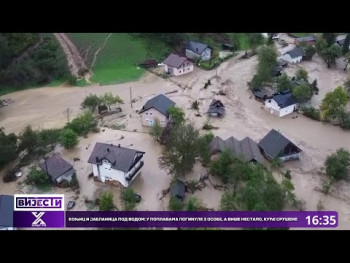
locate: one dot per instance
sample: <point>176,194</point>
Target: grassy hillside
<point>117,61</point>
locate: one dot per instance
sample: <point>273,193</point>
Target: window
<point>179,71</point>
<point>146,113</point>
<point>150,113</point>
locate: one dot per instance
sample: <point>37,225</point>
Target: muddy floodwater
<point>43,108</point>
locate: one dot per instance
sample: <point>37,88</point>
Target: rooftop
<point>55,166</point>
<point>121,158</point>
<point>284,100</point>
<point>160,102</point>
<point>296,52</point>
<point>174,60</point>
<point>274,143</point>
<point>196,47</point>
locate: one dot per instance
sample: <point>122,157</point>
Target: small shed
<point>260,95</point>
<point>216,109</point>
<point>178,190</point>
<point>226,46</point>
<point>148,63</point>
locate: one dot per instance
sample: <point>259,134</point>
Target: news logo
<point>45,210</point>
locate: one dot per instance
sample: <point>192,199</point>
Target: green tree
<point>109,99</point>
<point>302,92</point>
<point>193,204</point>
<point>83,124</point>
<point>276,163</point>
<point>329,38</point>
<point>37,177</point>
<point>68,138</point>
<point>337,164</point>
<point>254,40</point>
<point>91,102</point>
<point>175,204</point>
<point>179,154</point>
<point>8,147</point>
<point>310,51</point>
<point>344,120</point>
<point>28,139</point>
<point>330,54</point>
<point>333,104</point>
<point>228,202</point>
<point>106,202</point>
<point>267,61</point>
<point>284,83</point>
<point>176,114</point>
<point>204,149</point>
<point>302,74</point>
<point>156,130</point>
<point>346,44</point>
<point>129,199</point>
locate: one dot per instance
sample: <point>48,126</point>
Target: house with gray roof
<point>310,40</point>
<point>57,168</point>
<point>113,163</point>
<point>216,109</point>
<point>281,104</point>
<point>294,56</point>
<point>176,65</point>
<point>156,109</point>
<point>275,145</point>
<point>6,212</point>
<point>247,149</point>
<point>340,40</point>
<point>195,51</point>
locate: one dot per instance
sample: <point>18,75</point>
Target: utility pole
<point>130,97</point>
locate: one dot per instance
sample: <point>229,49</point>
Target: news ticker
<point>47,211</point>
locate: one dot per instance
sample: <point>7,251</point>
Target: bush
<point>28,139</point>
<point>311,112</point>
<point>337,164</point>
<point>344,120</point>
<point>68,138</point>
<point>83,124</point>
<point>156,130</point>
<point>195,105</point>
<point>74,183</point>
<point>302,92</point>
<point>175,204</point>
<point>207,125</point>
<point>106,203</point>
<point>8,147</point>
<point>204,149</point>
<point>48,137</point>
<point>129,199</point>
<point>72,80</point>
<point>176,114</point>
<point>37,177</point>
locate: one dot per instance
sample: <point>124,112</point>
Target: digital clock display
<point>321,220</point>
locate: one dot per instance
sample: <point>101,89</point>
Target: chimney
<point>107,149</point>
<point>119,145</point>
<point>97,160</point>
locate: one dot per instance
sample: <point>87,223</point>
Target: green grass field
<point>117,61</point>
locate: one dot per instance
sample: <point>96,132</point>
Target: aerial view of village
<point>176,121</point>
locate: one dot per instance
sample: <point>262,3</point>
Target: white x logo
<point>38,220</point>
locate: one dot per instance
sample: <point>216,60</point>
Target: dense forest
<point>28,59</point>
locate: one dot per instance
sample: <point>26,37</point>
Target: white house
<point>57,169</point>
<point>275,145</point>
<point>176,65</point>
<point>6,212</point>
<point>294,56</point>
<point>195,50</point>
<point>281,104</point>
<point>156,109</point>
<point>115,163</point>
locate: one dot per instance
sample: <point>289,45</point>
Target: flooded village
<point>227,104</point>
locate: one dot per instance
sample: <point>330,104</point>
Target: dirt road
<point>44,108</point>
<point>75,62</point>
